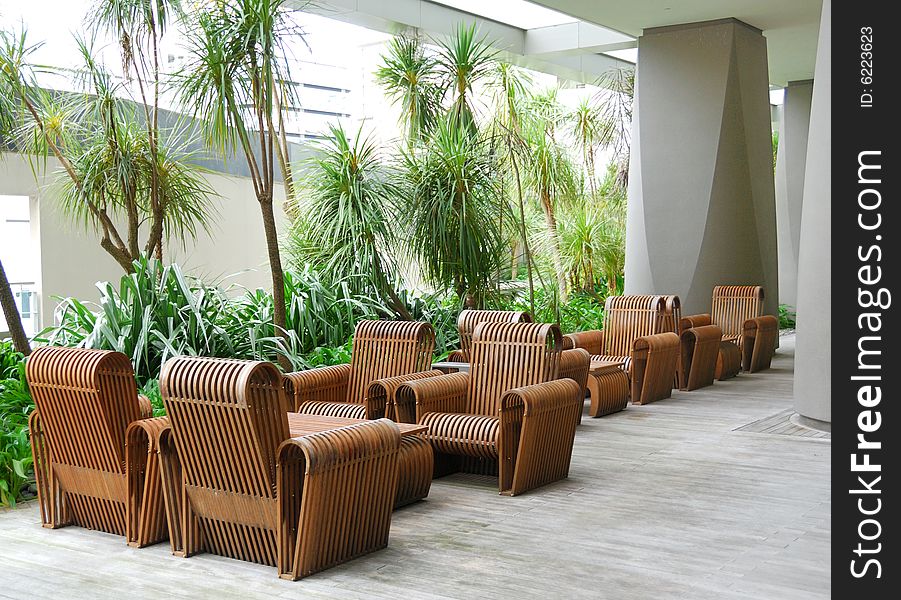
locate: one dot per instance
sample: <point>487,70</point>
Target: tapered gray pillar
<point>791,163</point>
<point>701,208</point>
<point>813,354</point>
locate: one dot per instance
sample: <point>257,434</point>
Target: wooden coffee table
<point>450,366</point>
<point>301,425</point>
<point>608,386</point>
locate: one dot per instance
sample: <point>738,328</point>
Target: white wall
<point>71,261</point>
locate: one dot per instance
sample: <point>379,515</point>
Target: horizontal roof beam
<point>399,16</point>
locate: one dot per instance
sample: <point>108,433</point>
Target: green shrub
<point>16,463</point>
<point>157,312</point>
<point>582,311</point>
<point>10,359</point>
<point>786,317</point>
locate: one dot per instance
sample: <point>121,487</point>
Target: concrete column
<point>813,353</point>
<point>791,162</point>
<point>701,206</point>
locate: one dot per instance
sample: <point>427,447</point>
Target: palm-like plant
<point>234,79</point>
<point>616,113</point>
<point>139,25</point>
<point>409,77</point>
<point>508,87</point>
<point>110,175</point>
<point>462,61</point>
<point>550,174</point>
<point>589,129</point>
<point>454,200</point>
<point>349,224</point>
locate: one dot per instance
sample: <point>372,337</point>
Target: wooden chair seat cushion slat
<point>728,361</point>
<point>468,435</point>
<point>333,409</point>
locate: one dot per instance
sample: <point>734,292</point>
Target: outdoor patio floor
<point>663,501</point>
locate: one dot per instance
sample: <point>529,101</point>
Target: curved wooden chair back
<point>627,318</point>
<point>229,418</point>
<point>507,356</point>
<point>468,319</point>
<point>387,349</point>
<point>86,399</point>
<point>732,305</point>
<point>671,318</point>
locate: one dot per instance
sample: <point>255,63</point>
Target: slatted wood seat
<point>244,489</point>
<point>628,319</point>
<point>468,319</point>
<point>731,307</point>
<point>85,400</point>
<point>509,409</point>
<point>385,353</point>
<point>759,343</point>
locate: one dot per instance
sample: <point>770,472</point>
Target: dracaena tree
<point>237,80</point>
<point>111,181</point>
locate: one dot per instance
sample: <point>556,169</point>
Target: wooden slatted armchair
<point>510,408</point>
<point>571,363</point>
<point>384,355</point>
<point>627,320</point>
<point>468,319</point>
<point>246,490</point>
<point>85,400</point>
<point>731,307</point>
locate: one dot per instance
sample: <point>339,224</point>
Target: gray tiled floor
<point>663,501</point>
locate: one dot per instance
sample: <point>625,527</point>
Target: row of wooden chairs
<point>221,473</point>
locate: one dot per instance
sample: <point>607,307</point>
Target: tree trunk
<point>278,276</point>
<point>12,316</point>
<point>523,232</point>
<point>551,223</point>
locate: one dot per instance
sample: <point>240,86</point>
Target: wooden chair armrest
<point>445,394</point>
<point>380,401</point>
<point>592,341</point>
<point>695,321</point>
<point>325,478</point>
<point>541,398</point>
<point>537,428</point>
<point>323,384</point>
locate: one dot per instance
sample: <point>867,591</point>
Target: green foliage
<point>462,61</point>
<point>10,359</point>
<point>347,220</point>
<point>455,210</point>
<point>775,148</point>
<point>786,316</point>
<point>16,464</point>
<point>582,311</point>
<point>157,312</point>
<point>151,389</point>
<point>408,75</point>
